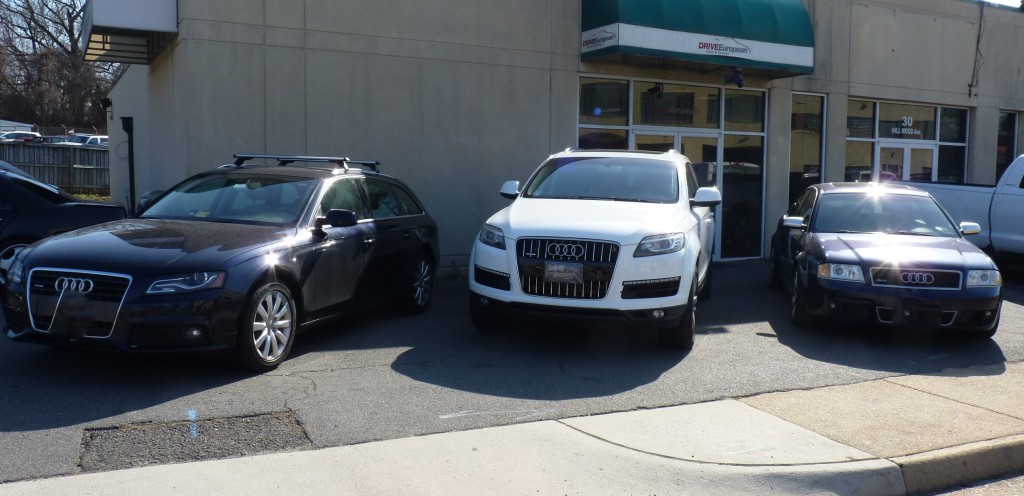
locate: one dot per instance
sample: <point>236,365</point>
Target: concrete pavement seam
<point>948,467</point>
<point>705,462</point>
<point>947,398</point>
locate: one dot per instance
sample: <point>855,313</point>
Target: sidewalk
<point>895,436</point>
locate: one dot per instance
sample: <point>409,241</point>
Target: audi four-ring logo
<point>565,250</point>
<point>83,286</point>
<point>917,278</point>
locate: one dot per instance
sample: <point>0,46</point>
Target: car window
<point>691,180</point>
<point>382,200</point>
<point>409,203</point>
<point>245,198</point>
<point>882,213</point>
<point>606,178</point>
<point>342,195</point>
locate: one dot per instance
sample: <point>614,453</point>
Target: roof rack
<point>282,160</point>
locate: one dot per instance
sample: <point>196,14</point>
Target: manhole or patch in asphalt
<point>138,445</point>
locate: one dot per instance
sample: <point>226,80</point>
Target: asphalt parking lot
<point>379,376</point>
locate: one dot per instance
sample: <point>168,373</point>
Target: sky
<point>1012,3</point>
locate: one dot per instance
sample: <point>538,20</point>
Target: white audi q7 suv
<point>621,236</point>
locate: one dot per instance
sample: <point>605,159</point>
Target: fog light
<point>988,313</point>
<point>193,333</point>
<point>657,313</point>
<point>484,301</point>
<point>832,306</point>
<point>906,313</point>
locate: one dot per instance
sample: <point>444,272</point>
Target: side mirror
<point>969,228</point>
<point>793,222</point>
<point>510,189</point>
<point>706,197</point>
<point>334,218</point>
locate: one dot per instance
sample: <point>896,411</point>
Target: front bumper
<point>200,321</point>
<point>635,292</point>
<point>973,309</point>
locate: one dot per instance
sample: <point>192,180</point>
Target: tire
<point>682,335</point>
<point>8,250</point>
<point>705,289</point>
<point>798,315</point>
<point>484,320</point>
<point>416,299</point>
<point>266,331</point>
<point>773,271</point>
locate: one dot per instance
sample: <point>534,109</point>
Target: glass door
<point>905,162</point>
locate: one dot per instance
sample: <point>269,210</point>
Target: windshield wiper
<point>911,233</point>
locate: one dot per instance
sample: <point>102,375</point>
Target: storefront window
<point>677,105</point>
<point>953,125</point>
<point>744,111</point>
<point>604,102</point>
<point>899,121</point>
<point>860,119</point>
<point>742,174</point>
<point>952,160</point>
<point>859,156</point>
<point>805,145</point>
<point>1007,143</point>
<point>605,139</point>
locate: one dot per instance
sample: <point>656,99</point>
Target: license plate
<point>563,272</point>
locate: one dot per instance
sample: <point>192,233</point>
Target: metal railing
<point>75,169</point>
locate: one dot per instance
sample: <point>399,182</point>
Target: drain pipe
<point>128,124</point>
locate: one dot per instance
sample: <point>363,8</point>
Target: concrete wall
<point>456,96</point>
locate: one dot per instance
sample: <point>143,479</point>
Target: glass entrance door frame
<point>676,137</point>
<point>905,152</point>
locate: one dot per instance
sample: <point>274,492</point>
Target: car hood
<point>149,246</point>
<point>625,222</point>
<point>886,249</point>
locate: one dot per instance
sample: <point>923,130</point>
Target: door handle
<point>368,242</point>
<point>406,235</point>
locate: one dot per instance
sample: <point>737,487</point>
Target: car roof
<point>672,155</point>
<point>864,187</point>
<point>305,167</point>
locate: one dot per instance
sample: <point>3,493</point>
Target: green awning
<point>775,35</point>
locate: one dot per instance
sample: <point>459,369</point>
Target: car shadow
<point>528,360</point>
<point>884,349</point>
<point>49,388</point>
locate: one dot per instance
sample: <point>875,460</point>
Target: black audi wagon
<point>238,258</point>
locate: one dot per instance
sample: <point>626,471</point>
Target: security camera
<point>736,77</point>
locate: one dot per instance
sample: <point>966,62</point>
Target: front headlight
<point>660,244</point>
<point>842,272</point>
<point>16,272</point>
<point>984,278</point>
<point>492,236</point>
<point>188,283</point>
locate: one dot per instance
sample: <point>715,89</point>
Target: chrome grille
<point>909,277</point>
<point>566,268</point>
<point>73,312</point>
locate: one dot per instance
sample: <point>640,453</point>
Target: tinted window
<point>407,201</point>
<point>885,213</point>
<point>342,195</point>
<point>252,198</point>
<point>691,180</point>
<point>383,203</point>
<point>606,178</point>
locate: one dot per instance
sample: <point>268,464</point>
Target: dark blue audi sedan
<point>238,259</point>
<point>883,254</point>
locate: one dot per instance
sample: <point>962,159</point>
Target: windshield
<point>882,213</point>
<point>250,199</point>
<point>78,138</point>
<point>606,178</point>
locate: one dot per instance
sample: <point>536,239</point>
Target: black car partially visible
<point>237,259</point>
<point>31,210</point>
<point>886,255</point>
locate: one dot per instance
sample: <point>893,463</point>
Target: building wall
<point>457,96</point>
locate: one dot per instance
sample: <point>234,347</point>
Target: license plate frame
<point>563,272</point>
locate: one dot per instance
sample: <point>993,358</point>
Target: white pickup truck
<point>998,209</point>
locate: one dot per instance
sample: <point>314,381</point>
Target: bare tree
<point>43,77</point>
